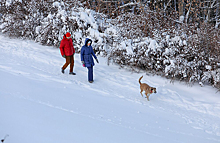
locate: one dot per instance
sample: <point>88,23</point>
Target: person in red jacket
<point>67,51</point>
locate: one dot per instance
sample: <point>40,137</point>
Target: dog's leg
<point>147,96</point>
<point>141,92</point>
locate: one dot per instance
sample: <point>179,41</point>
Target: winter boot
<point>72,73</point>
<point>62,70</point>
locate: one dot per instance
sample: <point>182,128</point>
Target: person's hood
<point>64,37</point>
<point>87,40</point>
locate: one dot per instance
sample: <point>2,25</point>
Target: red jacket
<point>66,46</point>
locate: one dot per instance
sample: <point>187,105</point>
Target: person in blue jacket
<point>87,59</point>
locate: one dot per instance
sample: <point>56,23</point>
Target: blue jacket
<point>87,53</point>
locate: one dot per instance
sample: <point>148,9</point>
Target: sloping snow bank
<point>39,104</point>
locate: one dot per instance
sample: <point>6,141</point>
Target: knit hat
<point>68,34</point>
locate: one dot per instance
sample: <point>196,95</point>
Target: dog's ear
<point>155,90</point>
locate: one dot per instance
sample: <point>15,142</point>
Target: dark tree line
<point>191,10</point>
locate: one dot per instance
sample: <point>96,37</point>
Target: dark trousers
<point>69,60</point>
<point>90,73</point>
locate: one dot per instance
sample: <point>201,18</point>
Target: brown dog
<point>148,90</point>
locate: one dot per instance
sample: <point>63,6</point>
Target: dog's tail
<point>140,79</point>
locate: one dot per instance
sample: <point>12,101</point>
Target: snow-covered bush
<point>152,41</point>
<point>186,52</point>
<point>15,21</point>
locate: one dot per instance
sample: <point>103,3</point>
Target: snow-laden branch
<point>108,1</point>
<point>209,10</point>
<point>125,5</point>
<point>167,5</point>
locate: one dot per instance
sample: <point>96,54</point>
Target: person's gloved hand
<point>64,56</point>
<point>83,64</point>
<point>97,60</point>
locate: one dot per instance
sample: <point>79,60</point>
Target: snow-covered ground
<point>39,104</point>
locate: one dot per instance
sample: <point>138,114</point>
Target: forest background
<point>177,39</point>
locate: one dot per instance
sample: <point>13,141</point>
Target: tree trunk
<point>217,18</point>
<point>181,9</point>
<point>187,14</point>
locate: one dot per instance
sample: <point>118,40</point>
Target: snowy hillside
<point>39,104</point>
